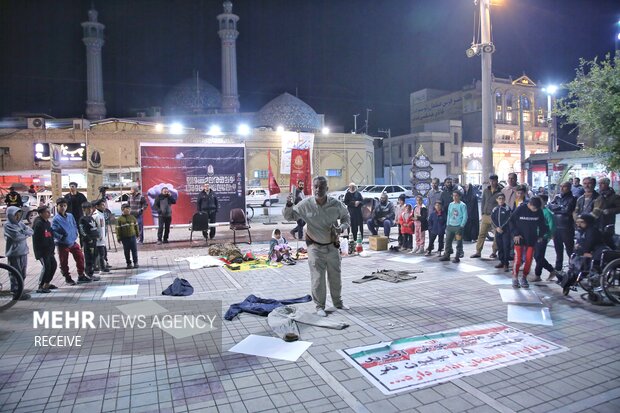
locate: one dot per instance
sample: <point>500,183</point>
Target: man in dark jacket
<point>527,225</point>
<point>75,200</point>
<point>382,216</point>
<point>207,204</point>
<point>163,205</point>
<point>562,207</point>
<point>298,195</point>
<point>489,202</point>
<point>446,195</point>
<point>89,234</point>
<point>354,201</point>
<point>577,189</point>
<point>607,205</point>
<point>43,246</point>
<point>585,203</point>
<point>500,216</point>
<point>13,198</point>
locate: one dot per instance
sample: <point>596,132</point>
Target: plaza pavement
<point>585,378</point>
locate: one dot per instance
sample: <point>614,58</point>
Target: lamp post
<point>551,124</point>
<point>388,132</point>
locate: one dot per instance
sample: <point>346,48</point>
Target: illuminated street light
<point>243,129</point>
<point>280,129</point>
<point>176,128</point>
<point>215,130</point>
<point>159,127</point>
<point>325,131</point>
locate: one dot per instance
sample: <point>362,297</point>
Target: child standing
<point>279,250</point>
<point>527,225</point>
<point>43,246</point>
<point>456,220</point>
<point>126,233</point>
<point>541,245</point>
<point>398,210</point>
<point>437,229</point>
<point>102,251</point>
<point>406,227</point>
<point>89,234</point>
<point>16,234</point>
<point>420,216</point>
<point>500,217</point>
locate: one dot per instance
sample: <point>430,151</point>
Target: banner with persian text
<point>415,362</point>
<point>291,141</point>
<point>184,168</point>
<point>300,170</point>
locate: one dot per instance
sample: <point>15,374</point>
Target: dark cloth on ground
<point>179,287</point>
<point>261,306</point>
<point>392,276</point>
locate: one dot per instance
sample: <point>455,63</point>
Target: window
<point>442,149</point>
<point>456,138</point>
<point>400,151</point>
<point>261,174</point>
<point>456,159</point>
<point>333,172</point>
<point>410,150</point>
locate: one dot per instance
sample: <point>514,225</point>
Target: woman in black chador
<point>470,232</point>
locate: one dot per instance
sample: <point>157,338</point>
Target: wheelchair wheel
<point>9,276</point>
<point>610,281</point>
<point>249,212</point>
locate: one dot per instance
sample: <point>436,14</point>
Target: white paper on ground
<point>150,275</point>
<point>469,268</point>
<point>271,347</point>
<point>408,260</point>
<point>519,296</point>
<point>145,308</point>
<point>200,261</point>
<point>184,332</point>
<point>120,290</point>
<point>495,279</point>
<point>529,315</point>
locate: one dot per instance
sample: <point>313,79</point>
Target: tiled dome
<point>193,96</point>
<point>290,112</point>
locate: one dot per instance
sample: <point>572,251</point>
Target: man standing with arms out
<point>585,203</point>
<point>75,200</point>
<point>434,195</point>
<point>65,232</point>
<point>163,205</point>
<point>322,214</point>
<point>577,189</point>
<point>298,196</point>
<point>607,205</point>
<point>207,204</point>
<point>489,202</point>
<point>457,218</point>
<point>137,205</point>
<point>13,198</point>
<point>562,207</point>
<point>383,215</point>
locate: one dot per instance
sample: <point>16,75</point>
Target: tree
<point>593,104</point>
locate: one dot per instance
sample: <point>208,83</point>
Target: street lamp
<point>388,132</point>
<point>551,123</point>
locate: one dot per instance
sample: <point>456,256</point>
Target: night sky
<point>339,56</point>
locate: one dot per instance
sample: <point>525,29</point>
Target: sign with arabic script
<point>414,362</point>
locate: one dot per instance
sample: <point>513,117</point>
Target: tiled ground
<point>585,378</point>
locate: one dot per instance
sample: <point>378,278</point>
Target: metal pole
<point>355,123</point>
<point>389,133</point>
<point>549,140</point>
<point>487,109</point>
<point>521,138</point>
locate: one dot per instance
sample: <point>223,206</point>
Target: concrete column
<point>228,33</point>
<point>93,40</point>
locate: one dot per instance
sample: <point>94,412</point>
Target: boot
<point>445,257</point>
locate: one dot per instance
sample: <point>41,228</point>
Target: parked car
<point>115,201</point>
<point>259,197</point>
<point>340,193</point>
<point>393,192</point>
<point>31,203</point>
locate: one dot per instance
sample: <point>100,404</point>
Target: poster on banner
<point>94,179</point>
<point>184,168</point>
<point>414,362</point>
<point>300,170</point>
<point>56,170</point>
<point>294,140</point>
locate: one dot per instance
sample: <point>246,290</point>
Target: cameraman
<point>137,205</point>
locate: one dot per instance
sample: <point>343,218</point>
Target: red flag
<point>274,188</point>
<point>300,169</point>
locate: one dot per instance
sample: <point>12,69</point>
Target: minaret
<point>228,33</point>
<point>93,39</point>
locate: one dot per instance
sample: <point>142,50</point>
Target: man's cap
<point>12,187</point>
<point>493,177</point>
<point>73,184</point>
<point>86,205</point>
<point>61,200</point>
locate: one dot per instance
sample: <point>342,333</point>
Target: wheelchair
<point>598,276</point>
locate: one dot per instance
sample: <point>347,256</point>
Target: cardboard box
<point>378,243</point>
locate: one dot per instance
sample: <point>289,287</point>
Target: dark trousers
<point>357,222</point>
<point>407,241</point>
<point>102,257</point>
<point>299,229</point>
<point>539,256</point>
<point>48,269</point>
<point>561,238</point>
<point>453,233</point>
<point>164,228</point>
<point>90,258</point>
<point>210,234</point>
<point>130,246</point>
<point>504,242</point>
<point>401,238</point>
<point>386,224</point>
<point>431,241</point>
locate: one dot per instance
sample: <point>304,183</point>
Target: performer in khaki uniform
<point>322,213</point>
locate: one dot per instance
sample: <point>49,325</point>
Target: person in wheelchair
<point>589,246</point>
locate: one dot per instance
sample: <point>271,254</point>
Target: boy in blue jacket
<point>65,232</point>
<point>16,234</point>
<point>456,219</point>
<point>500,217</point>
<point>436,229</point>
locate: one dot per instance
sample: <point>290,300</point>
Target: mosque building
<point>193,112</point>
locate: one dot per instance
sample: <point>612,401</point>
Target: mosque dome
<point>193,96</point>
<point>290,112</point>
